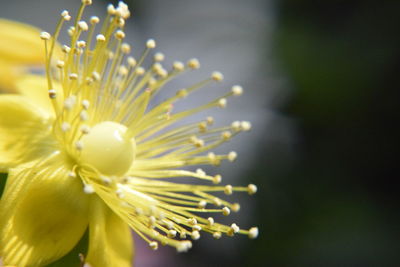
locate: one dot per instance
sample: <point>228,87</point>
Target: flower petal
<point>110,240</point>
<point>43,213</point>
<point>20,43</point>
<point>24,131</point>
<point>35,88</point>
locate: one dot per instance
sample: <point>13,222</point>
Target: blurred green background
<point>329,196</point>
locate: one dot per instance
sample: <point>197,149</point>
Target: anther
<point>222,102</point>
<point>151,44</point>
<point>65,15</point>
<point>232,156</point>
<point>88,189</point>
<point>226,211</point>
<point>236,126</point>
<point>111,9</point>
<point>120,35</point>
<point>217,76</point>
<point>235,228</point>
<point>158,57</point>
<point>96,76</point>
<point>60,64</point>
<point>210,120</point>
<point>153,245</point>
<point>73,76</point>
<point>237,90</point>
<point>85,104</point>
<point>202,204</point>
<point>140,71</point>
<point>85,129</point>
<point>65,127</point>
<point>66,49</point>
<point>217,201</point>
<point>52,93</point>
<point>235,207</point>
<point>106,180</point>
<point>79,145</point>
<point>81,44</point>
<point>195,235</point>
<point>226,135</point>
<point>172,233</point>
<point>83,115</point>
<point>71,30</point>
<point>217,179</point>
<point>217,235</point>
<point>45,36</point>
<point>72,174</point>
<point>192,221</point>
<point>125,48</point>
<point>100,38</point>
<point>193,63</point>
<point>202,126</point>
<point>83,25</point>
<point>94,20</point>
<point>178,66</point>
<point>253,232</point>
<point>251,189</point>
<point>246,126</point>
<point>197,227</point>
<point>131,61</point>
<point>87,2</point>
<point>184,246</point>
<point>210,221</point>
<point>228,189</point>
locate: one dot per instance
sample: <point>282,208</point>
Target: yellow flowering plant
<point>86,147</point>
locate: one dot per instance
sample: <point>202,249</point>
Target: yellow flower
<point>19,49</point>
<point>94,151</point>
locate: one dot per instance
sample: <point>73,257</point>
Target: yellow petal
<point>35,88</point>
<point>20,43</point>
<point>8,77</point>
<point>43,213</point>
<point>24,131</point>
<point>110,240</point>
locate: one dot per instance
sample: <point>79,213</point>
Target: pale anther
<point>217,179</point>
<point>153,245</point>
<point>228,189</point>
<point>60,64</point>
<point>88,189</point>
<point>52,93</point>
<point>45,35</point>
<point>193,63</point>
<point>222,102</point>
<point>87,2</point>
<point>83,25</point>
<point>253,232</point>
<point>226,211</point>
<point>232,156</point>
<point>83,115</point>
<point>246,126</point>
<point>151,43</point>
<point>217,76</point>
<point>235,207</point>
<point>177,65</point>
<point>85,104</point>
<point>237,90</point>
<point>158,57</point>
<point>210,221</point>
<point>100,38</point>
<point>131,61</point>
<point>251,189</point>
<point>85,129</point>
<point>79,145</point>
<point>73,76</point>
<point>125,48</point>
<point>195,235</point>
<point>65,127</point>
<point>94,20</point>
<point>202,204</point>
<point>217,235</point>
<point>120,35</point>
<point>172,233</point>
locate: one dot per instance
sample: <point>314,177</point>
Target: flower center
<point>108,149</point>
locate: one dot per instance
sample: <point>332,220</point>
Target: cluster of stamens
<point>100,95</point>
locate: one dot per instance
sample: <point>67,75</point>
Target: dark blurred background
<point>324,99</point>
